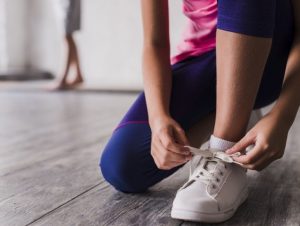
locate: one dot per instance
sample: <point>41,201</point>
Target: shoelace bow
<point>209,155</point>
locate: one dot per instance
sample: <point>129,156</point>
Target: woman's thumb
<point>241,145</point>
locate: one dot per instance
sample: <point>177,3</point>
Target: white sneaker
<point>214,191</point>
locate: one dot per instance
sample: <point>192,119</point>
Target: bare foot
<point>59,86</point>
<point>76,82</point>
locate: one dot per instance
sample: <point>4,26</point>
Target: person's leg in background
<point>74,58</point>
<point>72,24</point>
<point>62,84</point>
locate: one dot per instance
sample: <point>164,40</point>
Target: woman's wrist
<point>282,117</point>
<point>157,118</point>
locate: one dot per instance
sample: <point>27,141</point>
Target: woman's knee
<point>249,17</point>
<point>120,174</point>
<point>125,158</point>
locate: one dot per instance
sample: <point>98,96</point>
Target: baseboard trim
<point>24,75</point>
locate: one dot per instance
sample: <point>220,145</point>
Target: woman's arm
<point>156,58</point>
<point>288,103</point>
<point>168,138</point>
<point>270,134</point>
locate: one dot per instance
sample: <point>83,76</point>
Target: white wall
<point>45,35</point>
<point>14,34</point>
<point>110,41</point>
<point>3,40</point>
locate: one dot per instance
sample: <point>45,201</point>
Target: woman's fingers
<point>252,156</point>
<point>242,144</point>
<point>259,157</point>
<point>155,158</point>
<point>260,164</point>
<point>170,162</point>
<point>169,143</point>
<point>165,159</point>
<point>177,158</point>
<point>168,148</point>
<point>180,136</point>
<point>172,156</point>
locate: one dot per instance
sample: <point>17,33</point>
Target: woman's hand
<point>167,145</point>
<point>269,137</point>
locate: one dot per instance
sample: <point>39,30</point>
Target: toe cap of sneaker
<point>202,203</point>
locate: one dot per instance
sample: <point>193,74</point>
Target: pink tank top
<point>200,34</point>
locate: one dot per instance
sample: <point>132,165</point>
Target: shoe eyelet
<point>214,186</point>
<point>201,173</point>
<point>218,180</point>
<point>221,173</point>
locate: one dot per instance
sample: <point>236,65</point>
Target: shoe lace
<point>207,156</point>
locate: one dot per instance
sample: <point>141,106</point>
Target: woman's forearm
<point>157,80</point>
<point>288,102</point>
<point>287,105</point>
<point>156,57</point>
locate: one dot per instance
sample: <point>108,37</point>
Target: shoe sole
<point>209,217</point>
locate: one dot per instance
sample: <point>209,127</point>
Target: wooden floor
<point>49,151</point>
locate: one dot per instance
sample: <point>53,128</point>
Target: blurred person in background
<point>72,16</point>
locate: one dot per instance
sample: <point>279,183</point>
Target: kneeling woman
<point>235,56</point>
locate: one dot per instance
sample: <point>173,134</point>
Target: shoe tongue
<point>206,163</point>
<point>210,165</point>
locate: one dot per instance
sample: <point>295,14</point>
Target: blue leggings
<point>126,162</point>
